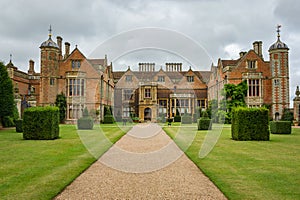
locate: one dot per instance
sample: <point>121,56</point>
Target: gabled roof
<point>229,62</point>
<point>203,75</point>
<point>96,61</point>
<point>118,74</point>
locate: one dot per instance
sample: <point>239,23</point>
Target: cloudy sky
<point>216,28</point>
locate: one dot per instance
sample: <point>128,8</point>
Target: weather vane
<point>50,30</point>
<point>278,30</point>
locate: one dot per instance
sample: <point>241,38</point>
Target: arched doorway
<point>147,114</point>
<point>276,116</point>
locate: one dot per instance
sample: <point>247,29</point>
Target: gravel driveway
<point>144,164</point>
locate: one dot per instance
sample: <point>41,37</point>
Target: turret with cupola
<point>279,63</point>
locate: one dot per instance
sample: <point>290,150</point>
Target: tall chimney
<point>31,67</point>
<point>67,49</point>
<point>257,47</point>
<point>59,43</point>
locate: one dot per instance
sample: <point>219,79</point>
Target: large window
<point>128,94</point>
<point>76,87</point>
<point>183,105</point>
<point>162,106</point>
<point>147,93</point>
<point>253,87</point>
<point>201,103</point>
<point>127,111</point>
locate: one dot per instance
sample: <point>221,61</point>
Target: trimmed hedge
<point>204,123</point>
<point>177,118</point>
<point>108,119</point>
<point>85,123</point>
<point>19,124</point>
<point>250,124</point>
<point>41,123</point>
<point>186,119</point>
<point>280,127</point>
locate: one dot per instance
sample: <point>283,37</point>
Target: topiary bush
<point>86,121</point>
<point>204,123</point>
<point>41,123</point>
<point>250,124</point>
<point>186,119</point>
<point>177,118</point>
<point>280,127</point>
<point>108,119</point>
<point>19,124</point>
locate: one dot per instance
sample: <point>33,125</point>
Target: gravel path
<point>144,164</point>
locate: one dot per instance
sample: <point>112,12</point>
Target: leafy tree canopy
<point>6,93</point>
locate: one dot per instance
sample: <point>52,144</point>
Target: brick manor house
<point>150,92</point>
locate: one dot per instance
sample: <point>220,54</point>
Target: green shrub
<point>41,123</point>
<point>108,119</point>
<point>204,123</point>
<point>221,115</point>
<point>135,119</point>
<point>85,123</point>
<point>19,124</point>
<point>280,127</point>
<point>186,119</point>
<point>177,118</point>
<point>8,121</point>
<point>250,124</point>
<point>287,116</point>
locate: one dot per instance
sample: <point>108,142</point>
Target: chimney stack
<point>67,49</point>
<point>31,67</point>
<point>257,47</point>
<point>242,53</point>
<point>59,43</point>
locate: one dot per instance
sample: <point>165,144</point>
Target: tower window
<point>75,64</point>
<point>251,64</point>
<point>52,81</point>
<point>276,82</point>
<point>190,78</point>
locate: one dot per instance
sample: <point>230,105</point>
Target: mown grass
<point>250,169</point>
<point>40,169</point>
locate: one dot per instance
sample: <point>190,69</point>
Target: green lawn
<point>250,169</point>
<point>32,169</point>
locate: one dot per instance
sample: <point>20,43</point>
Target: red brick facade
<point>92,83</point>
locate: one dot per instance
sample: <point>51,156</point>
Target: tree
<point>7,103</point>
<point>61,103</point>
<point>234,97</point>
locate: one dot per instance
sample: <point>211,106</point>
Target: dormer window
<point>251,64</point>
<point>161,79</point>
<point>128,78</point>
<point>75,64</point>
<point>190,78</point>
